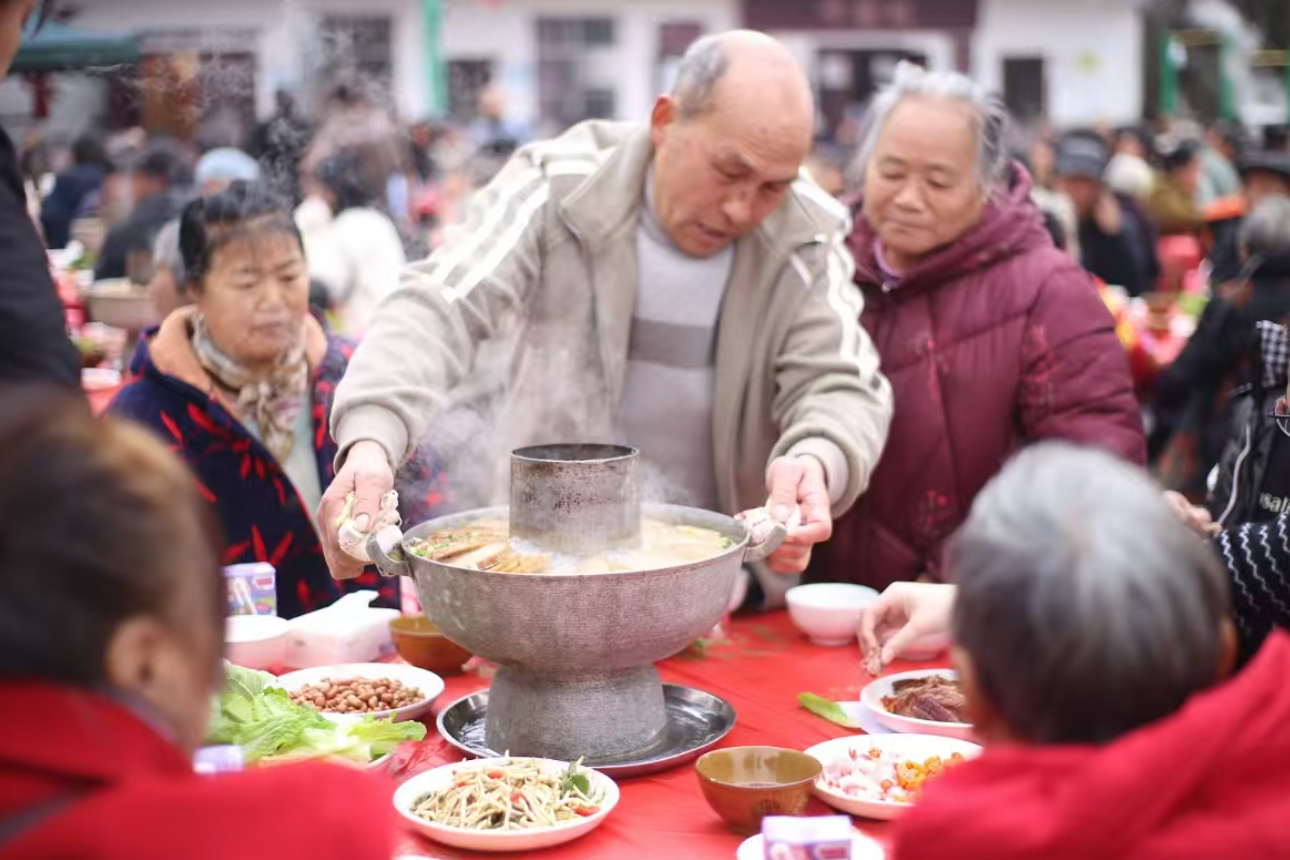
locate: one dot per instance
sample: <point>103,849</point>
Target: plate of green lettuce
<point>254,713</point>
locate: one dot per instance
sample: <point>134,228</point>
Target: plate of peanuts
<point>355,690</point>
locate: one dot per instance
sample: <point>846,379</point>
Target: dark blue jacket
<point>65,202</point>
<point>264,517</point>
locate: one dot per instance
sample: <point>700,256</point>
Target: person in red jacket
<point>111,630</point>
<point>990,336</point>
<point>1095,645</point>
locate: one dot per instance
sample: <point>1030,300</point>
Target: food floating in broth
<point>487,545</point>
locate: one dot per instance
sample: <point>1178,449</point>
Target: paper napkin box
<point>348,631</point>
<point>820,838</point>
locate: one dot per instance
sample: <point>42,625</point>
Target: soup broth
<point>488,545</point>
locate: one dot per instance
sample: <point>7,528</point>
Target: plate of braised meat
<point>925,702</point>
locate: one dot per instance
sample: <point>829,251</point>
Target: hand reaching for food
<point>1194,516</point>
<point>903,614</point>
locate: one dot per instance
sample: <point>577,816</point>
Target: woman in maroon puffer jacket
<point>990,336</point>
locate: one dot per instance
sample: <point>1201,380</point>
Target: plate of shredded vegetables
<point>507,804</point>
<point>877,776</point>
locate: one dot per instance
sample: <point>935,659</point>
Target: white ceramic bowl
<point>829,612</point>
<point>256,641</point>
<point>430,685</point>
<point>100,379</point>
<point>509,840</point>
<point>871,699</point>
<point>927,648</point>
<point>914,747</point>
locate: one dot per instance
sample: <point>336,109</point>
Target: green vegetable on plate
<point>254,713</point>
<point>827,709</point>
<point>575,777</point>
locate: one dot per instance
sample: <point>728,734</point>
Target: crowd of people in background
<point>919,345</point>
<point>1147,212</point>
<point>369,193</point>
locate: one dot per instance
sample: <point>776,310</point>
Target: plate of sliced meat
<point>925,702</point>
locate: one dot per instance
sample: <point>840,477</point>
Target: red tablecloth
<point>101,398</point>
<point>760,672</point>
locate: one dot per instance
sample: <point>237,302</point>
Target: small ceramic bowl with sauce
<point>421,644</point>
<point>745,784</point>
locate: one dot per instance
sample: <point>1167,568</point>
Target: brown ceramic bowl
<point>421,644</point>
<point>745,784</point>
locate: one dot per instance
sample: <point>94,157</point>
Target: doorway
<point>848,79</point>
<point>1025,88</point>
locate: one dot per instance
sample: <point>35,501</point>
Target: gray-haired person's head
<point>1266,230</point>
<point>933,153</point>
<point>1086,607</point>
<point>729,139</point>
<point>986,113</point>
<point>169,280</point>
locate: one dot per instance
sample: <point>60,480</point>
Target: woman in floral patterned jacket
<point>241,386</point>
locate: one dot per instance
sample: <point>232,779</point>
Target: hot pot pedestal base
<point>595,716</point>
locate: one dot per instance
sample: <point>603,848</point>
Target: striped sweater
<point>1257,557</point>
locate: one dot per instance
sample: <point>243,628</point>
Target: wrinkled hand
<point>903,614</point>
<point>798,484</point>
<point>1194,516</point>
<point>367,474</point>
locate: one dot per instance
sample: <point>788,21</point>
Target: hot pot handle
<point>758,550</point>
<point>387,564</point>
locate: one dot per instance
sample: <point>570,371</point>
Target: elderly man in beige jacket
<point>678,286</point>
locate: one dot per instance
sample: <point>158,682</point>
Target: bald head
<point>729,139</point>
<point>729,70</point>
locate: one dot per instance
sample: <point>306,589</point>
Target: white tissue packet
<point>820,838</point>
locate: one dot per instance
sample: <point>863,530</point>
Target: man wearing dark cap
<point>1116,243</point>
<point>158,186</point>
<point>1264,174</point>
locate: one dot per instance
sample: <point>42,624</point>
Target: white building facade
<point>289,40</point>
<point>1070,63</point>
<point>199,55</point>
<point>555,61</point>
<point>558,61</point>
<point>1089,55</point>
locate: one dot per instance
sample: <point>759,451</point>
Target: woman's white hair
<point>991,117</point>
<point>1266,231</point>
<point>1088,608</point>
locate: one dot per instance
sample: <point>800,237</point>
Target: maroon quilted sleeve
<point>1075,378</point>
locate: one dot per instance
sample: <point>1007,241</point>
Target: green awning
<point>59,48</point>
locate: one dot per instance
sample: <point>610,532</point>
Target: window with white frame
<point>362,44</point>
<point>575,69</point>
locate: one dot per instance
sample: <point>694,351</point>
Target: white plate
<point>915,747</point>
<point>100,379</point>
<point>506,840</point>
<point>864,718</point>
<point>862,848</point>
<point>872,695</point>
<point>430,685</point>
